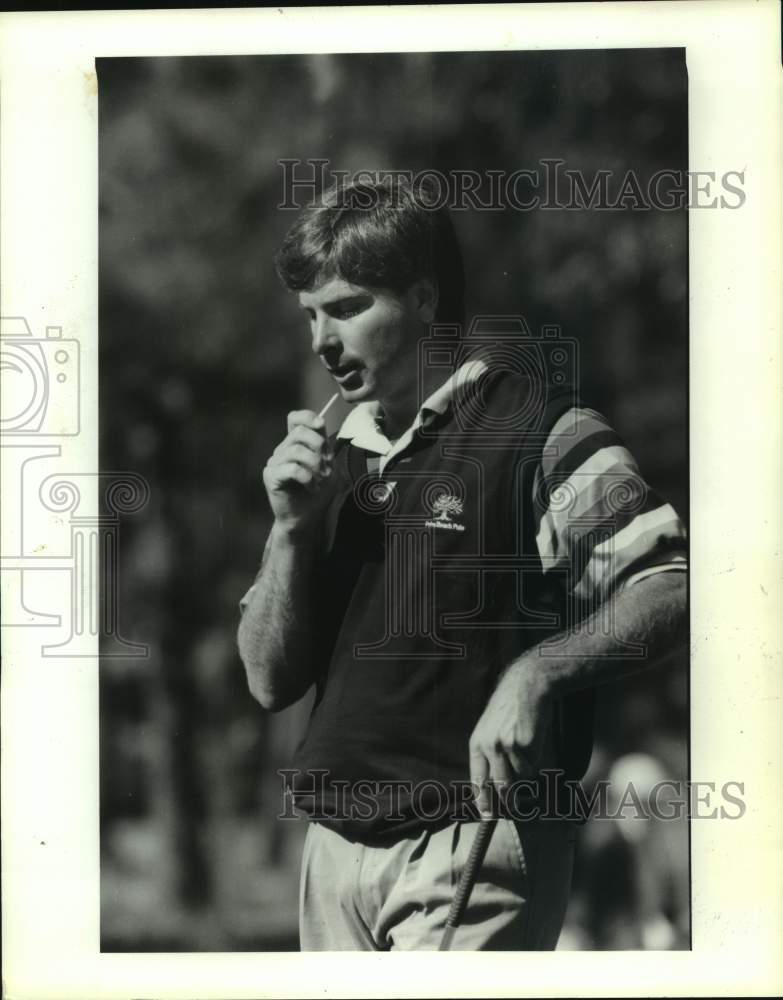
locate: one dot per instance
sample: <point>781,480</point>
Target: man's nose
<point>325,339</point>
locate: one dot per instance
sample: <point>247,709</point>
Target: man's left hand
<point>508,739</point>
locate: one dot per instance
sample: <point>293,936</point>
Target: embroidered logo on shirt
<point>445,507</point>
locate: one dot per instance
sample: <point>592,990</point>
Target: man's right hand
<point>297,472</point>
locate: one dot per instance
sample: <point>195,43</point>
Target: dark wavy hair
<point>384,235</point>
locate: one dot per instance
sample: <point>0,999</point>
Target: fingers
<point>306,418</point>
<point>495,765</point>
<point>316,466</point>
<point>306,436</point>
<point>479,775</point>
<point>300,453</point>
<point>286,473</point>
<point>310,436</point>
<point>303,446</point>
<point>301,462</point>
<point>303,443</point>
<point>492,773</point>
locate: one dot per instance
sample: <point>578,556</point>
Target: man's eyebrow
<point>338,300</point>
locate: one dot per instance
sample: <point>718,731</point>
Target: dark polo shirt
<point>432,583</point>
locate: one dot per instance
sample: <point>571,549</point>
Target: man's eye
<point>348,310</point>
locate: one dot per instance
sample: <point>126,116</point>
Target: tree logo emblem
<point>446,505</point>
<point>444,508</point>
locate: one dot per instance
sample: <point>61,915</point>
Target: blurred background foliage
<point>201,356</point>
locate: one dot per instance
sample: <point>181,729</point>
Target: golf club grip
<point>471,870</point>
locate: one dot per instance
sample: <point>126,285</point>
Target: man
<point>454,571</point>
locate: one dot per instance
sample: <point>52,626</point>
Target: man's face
<point>366,338</point>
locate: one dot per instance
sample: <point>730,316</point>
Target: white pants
<point>354,897</point>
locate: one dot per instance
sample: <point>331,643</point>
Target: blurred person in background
<point>433,707</point>
<point>636,868</point>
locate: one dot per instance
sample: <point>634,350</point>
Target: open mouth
<point>345,374</point>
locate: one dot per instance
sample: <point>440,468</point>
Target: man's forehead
<point>331,290</point>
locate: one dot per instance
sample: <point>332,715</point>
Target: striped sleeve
<point>597,522</point>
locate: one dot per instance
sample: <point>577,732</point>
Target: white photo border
<point>49,252</point>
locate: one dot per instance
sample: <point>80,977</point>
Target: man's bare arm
<point>276,635</point>
<point>510,734</point>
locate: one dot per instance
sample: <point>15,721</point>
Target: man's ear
<point>426,299</point>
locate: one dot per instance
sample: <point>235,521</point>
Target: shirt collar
<point>361,425</point>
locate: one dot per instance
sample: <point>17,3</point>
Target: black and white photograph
<point>389,526</point>
<point>348,300</point>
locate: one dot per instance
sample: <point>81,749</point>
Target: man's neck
<point>392,427</point>
<point>396,416</point>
